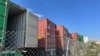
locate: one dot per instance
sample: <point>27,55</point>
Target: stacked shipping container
<point>47,34</point>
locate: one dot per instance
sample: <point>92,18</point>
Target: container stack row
<point>20,29</point>
<point>77,37</point>
<point>52,37</point>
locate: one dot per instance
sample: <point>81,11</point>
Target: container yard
<point>22,33</point>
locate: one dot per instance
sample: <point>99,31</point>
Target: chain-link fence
<point>18,44</point>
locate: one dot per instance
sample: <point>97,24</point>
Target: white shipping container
<point>86,39</point>
<point>23,28</point>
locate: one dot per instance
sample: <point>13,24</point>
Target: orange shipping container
<point>47,34</point>
<point>62,34</point>
<point>75,37</point>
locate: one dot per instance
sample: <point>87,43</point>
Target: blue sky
<point>82,16</point>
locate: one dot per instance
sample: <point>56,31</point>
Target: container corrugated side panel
<point>16,26</point>
<point>41,34</point>
<point>46,28</point>
<point>3,20</point>
<point>21,28</point>
<point>31,30</point>
<point>50,28</point>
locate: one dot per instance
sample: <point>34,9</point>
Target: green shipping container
<point>3,20</point>
<point>10,53</point>
<point>80,38</point>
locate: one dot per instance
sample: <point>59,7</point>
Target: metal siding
<point>42,34</point>
<point>31,31</point>
<point>21,27</point>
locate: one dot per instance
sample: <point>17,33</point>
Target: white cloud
<point>31,10</point>
<point>37,14</point>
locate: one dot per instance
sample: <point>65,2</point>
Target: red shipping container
<point>75,37</point>
<point>62,34</point>
<point>47,34</point>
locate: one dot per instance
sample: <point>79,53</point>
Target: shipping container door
<point>31,30</point>
<point>3,20</point>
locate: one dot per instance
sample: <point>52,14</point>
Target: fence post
<point>67,47</point>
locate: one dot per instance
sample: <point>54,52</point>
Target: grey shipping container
<point>22,27</point>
